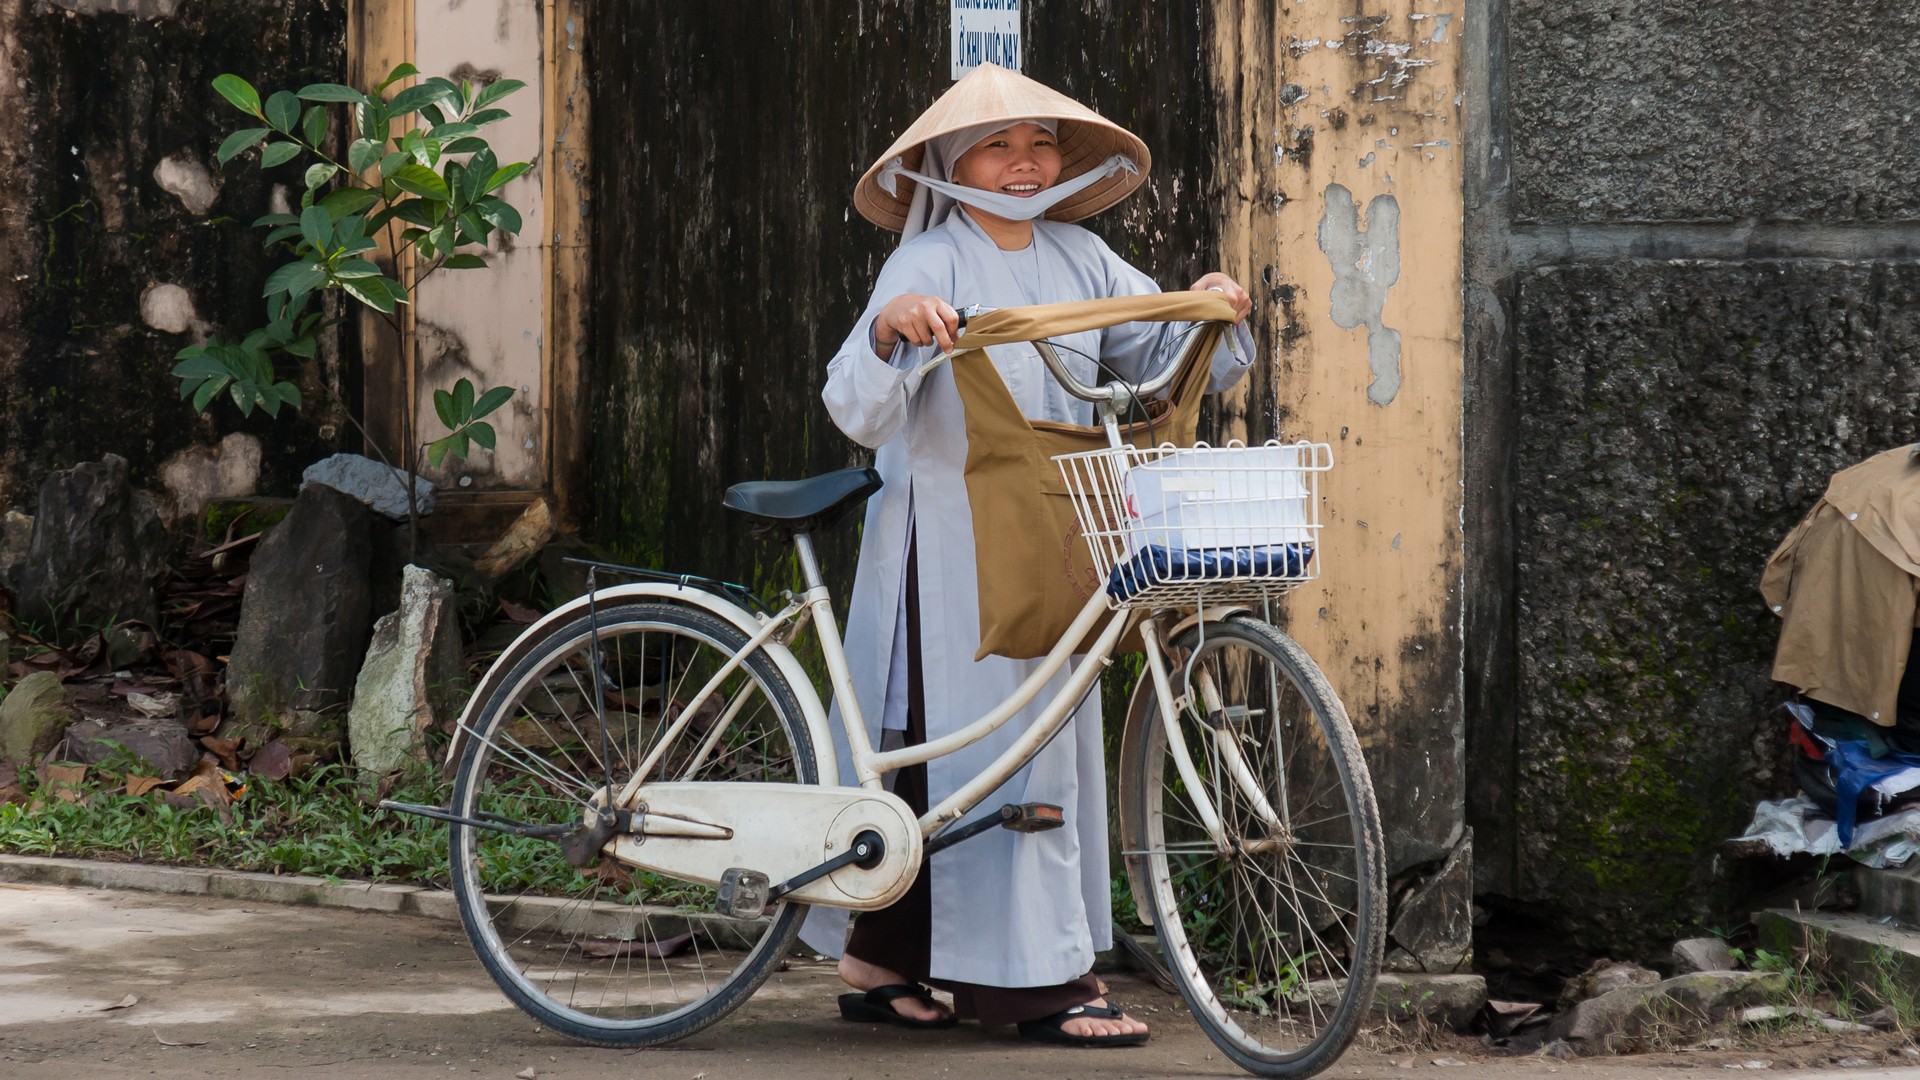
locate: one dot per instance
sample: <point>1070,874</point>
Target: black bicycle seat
<point>803,505</point>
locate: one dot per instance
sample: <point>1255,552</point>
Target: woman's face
<point>1022,161</point>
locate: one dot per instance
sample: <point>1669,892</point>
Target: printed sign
<point>984,32</point>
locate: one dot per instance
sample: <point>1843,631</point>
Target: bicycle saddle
<point>803,505</point>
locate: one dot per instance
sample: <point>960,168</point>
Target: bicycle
<point>643,805</point>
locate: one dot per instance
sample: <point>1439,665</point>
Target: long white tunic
<point>1009,909</point>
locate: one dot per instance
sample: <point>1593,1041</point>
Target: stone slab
<point>1857,948</point>
<point>1643,110</point>
<point>232,884</point>
<point>1893,893</point>
<point>1452,999</point>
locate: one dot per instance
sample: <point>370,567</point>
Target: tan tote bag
<point>1034,569</point>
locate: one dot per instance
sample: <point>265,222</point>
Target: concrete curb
<point>231,885</point>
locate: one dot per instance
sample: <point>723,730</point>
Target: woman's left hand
<point>1230,291</point>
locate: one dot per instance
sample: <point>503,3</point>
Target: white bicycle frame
<point>771,635</point>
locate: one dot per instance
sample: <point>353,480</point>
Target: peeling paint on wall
<point>1366,264</point>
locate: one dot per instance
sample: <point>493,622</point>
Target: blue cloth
<point>1855,770</point>
<point>1154,564</point>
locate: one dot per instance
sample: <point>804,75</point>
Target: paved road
<point>236,989</point>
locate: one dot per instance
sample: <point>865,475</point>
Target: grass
<point>323,823</point>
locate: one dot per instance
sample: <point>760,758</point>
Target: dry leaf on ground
<point>140,785</point>
<point>127,1002</point>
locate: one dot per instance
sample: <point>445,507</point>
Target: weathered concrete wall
<point>1691,281</point>
<point>120,240</point>
<point>729,265</point>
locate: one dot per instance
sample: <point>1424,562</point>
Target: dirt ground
<point>231,989</point>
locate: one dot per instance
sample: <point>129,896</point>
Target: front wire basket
<point>1169,525</point>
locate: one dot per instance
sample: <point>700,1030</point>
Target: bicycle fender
<point>811,709</point>
<point>1143,711</point>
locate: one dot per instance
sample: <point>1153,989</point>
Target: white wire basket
<point>1170,525</point>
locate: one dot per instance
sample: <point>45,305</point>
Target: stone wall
<point>1692,283</point>
<point>121,240</point>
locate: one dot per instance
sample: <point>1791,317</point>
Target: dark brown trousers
<point>899,938</point>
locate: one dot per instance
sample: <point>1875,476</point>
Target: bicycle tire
<point>1278,973</point>
<point>560,950</point>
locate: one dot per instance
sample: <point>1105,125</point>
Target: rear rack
<point>739,594</point>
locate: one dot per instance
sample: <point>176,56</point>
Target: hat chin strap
<point>1011,207</point>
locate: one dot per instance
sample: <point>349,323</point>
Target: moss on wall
<point>1676,419</point>
<point>107,99</point>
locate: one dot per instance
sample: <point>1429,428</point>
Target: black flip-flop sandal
<point>1050,1029</point>
<point>876,1006</point>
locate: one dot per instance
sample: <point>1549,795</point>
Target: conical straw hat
<point>991,92</point>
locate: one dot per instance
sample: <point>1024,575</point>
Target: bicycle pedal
<point>742,893</point>
<point>1032,817</point>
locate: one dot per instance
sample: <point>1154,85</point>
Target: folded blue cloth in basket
<point>1155,564</point>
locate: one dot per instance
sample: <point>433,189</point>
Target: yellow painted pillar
<point>1341,131</point>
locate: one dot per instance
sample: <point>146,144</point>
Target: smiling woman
<point>983,188</point>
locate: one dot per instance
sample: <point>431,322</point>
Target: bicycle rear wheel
<point>613,955</point>
<point>1274,930</point>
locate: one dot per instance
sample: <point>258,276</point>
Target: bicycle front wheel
<point>1273,921</point>
<point>610,954</point>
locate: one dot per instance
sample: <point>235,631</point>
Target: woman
<point>1007,922</point>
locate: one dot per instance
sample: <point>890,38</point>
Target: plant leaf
<point>372,292</point>
<point>390,163</point>
<point>414,98</point>
<point>421,181</point>
<point>399,72</point>
<point>355,268</point>
<point>496,90</point>
<point>503,217</point>
<point>504,174</point>
<point>482,433</point>
<point>283,111</point>
<point>278,154</point>
<point>463,400</point>
<point>443,407</point>
<point>317,226</point>
<point>296,278</point>
<point>363,154</point>
<point>456,130</point>
<point>437,451</point>
<point>442,236</point>
<point>490,401</point>
<point>314,125</point>
<point>319,173</point>
<point>348,201</point>
<point>282,233</point>
<point>303,347</point>
<point>244,139</point>
<point>289,393</point>
<point>488,116</point>
<point>240,92</point>
<point>208,391</point>
<point>467,145</point>
<point>416,212</point>
<point>276,219</point>
<point>329,92</point>
<point>465,262</point>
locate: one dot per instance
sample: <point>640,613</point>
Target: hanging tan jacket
<point>1846,583</point>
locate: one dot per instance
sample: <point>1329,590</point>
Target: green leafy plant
<point>419,174</point>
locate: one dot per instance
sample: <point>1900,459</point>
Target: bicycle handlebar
<point>1001,326</point>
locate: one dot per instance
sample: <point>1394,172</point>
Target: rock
<point>1452,1000</point>
<point>304,623</point>
<point>1702,954</point>
<point>16,533</point>
<point>1604,977</point>
<point>200,474</point>
<point>371,482</point>
<point>163,745</point>
<point>33,716</point>
<point>1680,1007</point>
<point>522,540</point>
<point>412,675</point>
<point>1435,924</point>
<point>1767,1014</point>
<point>97,549</point>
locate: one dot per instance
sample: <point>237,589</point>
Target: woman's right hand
<point>914,317</point>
